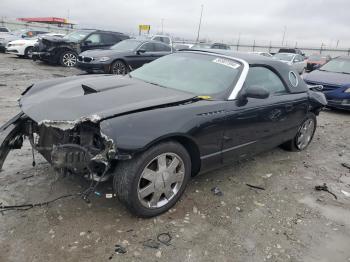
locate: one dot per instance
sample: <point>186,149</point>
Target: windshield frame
<point>233,88</point>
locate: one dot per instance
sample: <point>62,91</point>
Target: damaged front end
<point>71,147</point>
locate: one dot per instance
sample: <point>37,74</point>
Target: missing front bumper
<point>70,147</point>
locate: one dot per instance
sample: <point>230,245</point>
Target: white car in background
<point>296,61</point>
<point>261,53</point>
<point>163,38</point>
<point>24,47</point>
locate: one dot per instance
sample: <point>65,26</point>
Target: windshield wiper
<point>346,73</point>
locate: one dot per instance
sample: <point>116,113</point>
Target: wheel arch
<point>188,143</point>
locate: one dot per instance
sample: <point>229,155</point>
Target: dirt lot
<point>288,221</point>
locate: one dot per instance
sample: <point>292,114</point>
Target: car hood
<point>25,41</point>
<point>103,52</point>
<point>56,39</point>
<point>323,77</point>
<point>91,96</point>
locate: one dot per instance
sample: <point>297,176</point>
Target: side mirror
<point>141,51</point>
<point>87,42</point>
<point>257,92</point>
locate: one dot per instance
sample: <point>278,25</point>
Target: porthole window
<point>293,79</point>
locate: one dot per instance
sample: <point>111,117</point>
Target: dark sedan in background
<point>334,77</point>
<point>122,57</point>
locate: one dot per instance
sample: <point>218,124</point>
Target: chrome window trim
<point>239,85</point>
<point>296,77</point>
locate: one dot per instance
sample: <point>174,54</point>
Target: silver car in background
<point>296,61</point>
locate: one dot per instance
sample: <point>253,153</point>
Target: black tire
<point>122,70</point>
<point>292,145</point>
<point>128,176</point>
<point>68,59</point>
<point>28,53</point>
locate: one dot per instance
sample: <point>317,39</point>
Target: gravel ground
<point>288,221</point>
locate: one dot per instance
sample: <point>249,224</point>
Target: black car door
<point>93,41</point>
<point>143,54</point>
<point>256,125</point>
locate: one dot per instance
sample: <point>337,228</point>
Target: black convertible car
<point>151,130</point>
<point>122,57</point>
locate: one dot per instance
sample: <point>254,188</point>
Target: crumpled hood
<point>55,39</point>
<point>323,77</point>
<point>93,96</point>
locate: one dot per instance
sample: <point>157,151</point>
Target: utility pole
<point>162,26</point>
<point>337,44</point>
<point>284,34</point>
<point>200,22</point>
<point>239,39</point>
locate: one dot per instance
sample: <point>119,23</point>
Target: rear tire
<point>304,135</point>
<point>152,182</point>
<point>68,59</point>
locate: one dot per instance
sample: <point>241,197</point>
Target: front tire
<point>28,53</point>
<point>68,59</point>
<point>153,181</point>
<point>118,67</point>
<point>304,135</point>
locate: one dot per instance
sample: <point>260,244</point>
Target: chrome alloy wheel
<point>119,68</point>
<point>305,134</point>
<point>161,180</point>
<point>69,59</point>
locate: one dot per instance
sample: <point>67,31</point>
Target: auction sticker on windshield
<point>226,62</point>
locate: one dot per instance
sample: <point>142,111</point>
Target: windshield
<point>76,36</point>
<point>317,57</point>
<point>284,57</point>
<point>338,66</point>
<point>198,74</point>
<point>126,45</point>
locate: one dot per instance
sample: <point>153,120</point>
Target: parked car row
<point>115,53</point>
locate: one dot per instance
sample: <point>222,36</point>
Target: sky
<point>306,23</point>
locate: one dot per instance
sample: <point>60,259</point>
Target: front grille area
<point>85,59</point>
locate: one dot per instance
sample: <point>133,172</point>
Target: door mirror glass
<point>256,92</point>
